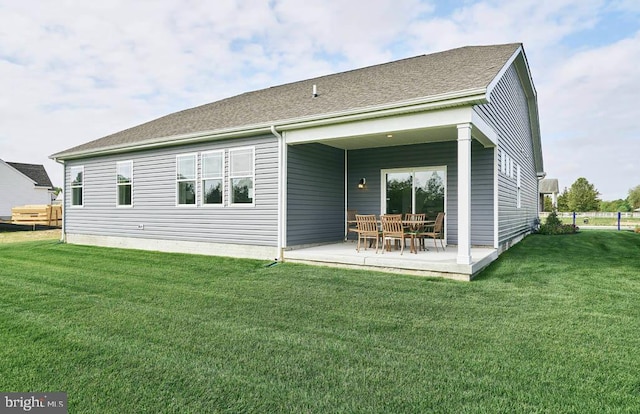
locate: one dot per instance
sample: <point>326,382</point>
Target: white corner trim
<point>496,200</point>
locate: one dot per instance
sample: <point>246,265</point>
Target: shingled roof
<point>470,68</point>
<point>34,171</point>
<point>548,186</point>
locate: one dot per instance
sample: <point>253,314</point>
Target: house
<point>266,172</point>
<point>549,186</point>
<point>22,184</point>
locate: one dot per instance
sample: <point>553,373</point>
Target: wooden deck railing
<point>44,215</point>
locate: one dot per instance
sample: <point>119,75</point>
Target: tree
<point>615,205</point>
<point>431,198</point>
<point>634,197</point>
<point>563,200</point>
<point>583,196</point>
<point>548,203</point>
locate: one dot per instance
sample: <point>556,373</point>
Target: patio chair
<point>352,225</point>
<point>437,231</point>
<point>367,230</point>
<point>392,229</point>
<point>414,225</point>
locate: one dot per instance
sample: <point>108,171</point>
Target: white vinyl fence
<point>602,214</point>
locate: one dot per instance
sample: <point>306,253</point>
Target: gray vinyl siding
<point>482,200</point>
<point>508,114</point>
<point>154,198</point>
<point>368,163</point>
<point>315,194</point>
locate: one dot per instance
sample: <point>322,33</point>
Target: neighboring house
<point>549,186</point>
<point>22,184</point>
<point>275,169</point>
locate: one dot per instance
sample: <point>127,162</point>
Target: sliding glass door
<point>414,190</point>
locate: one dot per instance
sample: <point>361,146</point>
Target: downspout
<point>282,192</point>
<point>63,236</point>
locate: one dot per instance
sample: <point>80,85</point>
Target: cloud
<point>78,70</point>
<point>532,22</point>
<point>602,83</point>
<point>588,107</point>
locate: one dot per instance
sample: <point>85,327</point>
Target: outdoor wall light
<point>362,182</point>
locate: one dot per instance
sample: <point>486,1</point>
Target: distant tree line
<point>583,196</point>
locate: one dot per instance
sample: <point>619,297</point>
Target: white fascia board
<point>165,142</point>
<point>404,122</point>
<point>519,59</point>
<point>468,97</point>
<point>522,66</point>
<point>471,97</point>
<point>483,131</point>
<point>504,68</point>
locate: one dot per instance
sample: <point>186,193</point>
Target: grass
<point>21,236</point>
<point>600,221</point>
<point>552,326</point>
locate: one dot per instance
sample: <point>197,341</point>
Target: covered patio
<point>363,167</point>
<point>424,263</point>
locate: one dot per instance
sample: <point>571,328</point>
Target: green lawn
<point>553,326</point>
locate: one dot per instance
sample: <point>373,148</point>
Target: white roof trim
<point>468,97</point>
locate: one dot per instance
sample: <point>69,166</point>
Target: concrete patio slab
<point>424,263</point>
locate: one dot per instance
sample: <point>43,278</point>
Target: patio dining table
<point>413,227</point>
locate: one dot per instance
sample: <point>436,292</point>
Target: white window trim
<point>118,185</point>
<point>203,178</point>
<point>71,186</point>
<point>195,180</point>
<point>253,177</point>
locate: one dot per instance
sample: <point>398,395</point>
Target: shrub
<point>553,220</point>
<point>553,226</point>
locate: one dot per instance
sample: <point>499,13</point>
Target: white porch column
<point>464,194</point>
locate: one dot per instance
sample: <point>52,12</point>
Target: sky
<point>72,71</point>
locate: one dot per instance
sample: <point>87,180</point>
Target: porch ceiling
<point>405,129</point>
<point>406,137</point>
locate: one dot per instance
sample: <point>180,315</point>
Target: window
<point>503,162</point>
<point>414,190</point>
<point>518,190</point>
<point>124,181</point>
<point>212,177</point>
<point>77,185</point>
<point>241,171</point>
<point>186,179</point>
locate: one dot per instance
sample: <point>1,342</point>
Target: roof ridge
<point>375,65</point>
